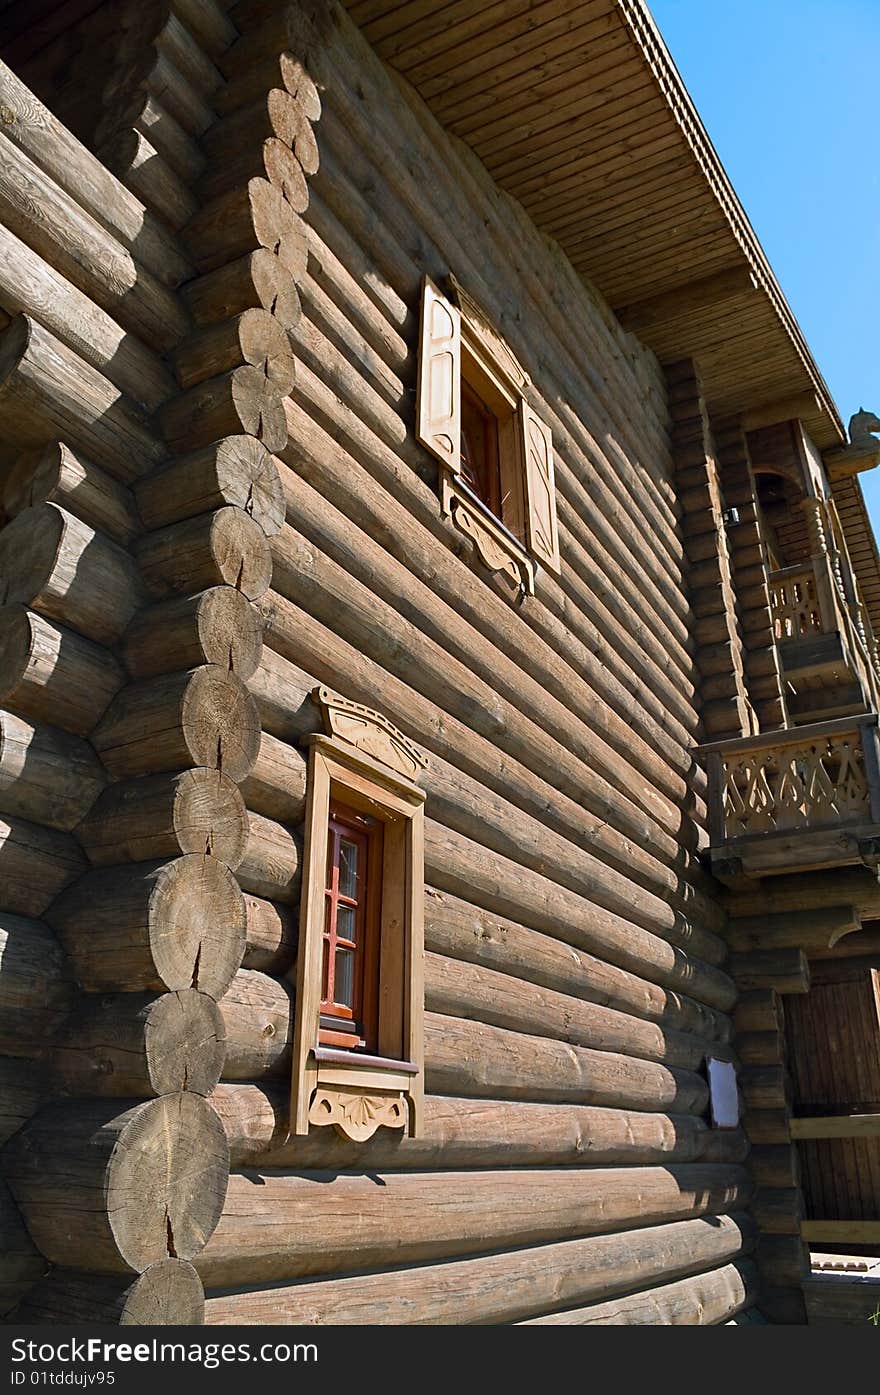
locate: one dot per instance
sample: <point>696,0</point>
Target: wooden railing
<point>804,778</point>
<point>794,603</point>
<point>809,599</point>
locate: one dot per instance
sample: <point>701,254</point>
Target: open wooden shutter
<point>438,424</point>
<point>542,536</point>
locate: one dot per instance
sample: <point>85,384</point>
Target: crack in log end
<point>196,965</point>
<point>169,1236</point>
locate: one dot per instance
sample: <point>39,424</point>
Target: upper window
<point>352,908</point>
<point>497,481</point>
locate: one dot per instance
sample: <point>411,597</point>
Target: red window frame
<point>352,1026</point>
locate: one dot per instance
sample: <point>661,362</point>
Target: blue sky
<point>788,91</point>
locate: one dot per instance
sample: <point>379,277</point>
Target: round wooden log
<point>758,1010</point>
<point>188,106</point>
<point>144,927</point>
<point>705,1300</point>
<point>36,991</point>
<point>29,285</point>
<point>258,1020</point>
<point>134,1045</point>
<point>471,991</point>
<point>272,935</point>
<point>453,926</point>
<point>208,22</point>
<point>276,787</point>
<point>46,775</point>
<point>159,816</point>
<point>136,161</point>
<point>265,71</point>
<point>61,567</point>
<point>185,52</point>
<point>785,970</point>
<point>779,1210</point>
<point>768,1125</point>
<point>47,392</point>
<point>147,114</point>
<point>237,470</point>
<point>167,1294</point>
<point>270,157</point>
<point>760,1048</point>
<point>271,864</point>
<point>36,864</point>
<point>463,1133</point>
<point>276,113</point>
<point>116,1191</point>
<point>21,1094</point>
<point>216,626</point>
<point>253,337</point>
<point>203,717</point>
<point>775,1165</point>
<point>783,1260</point>
<point>243,400</point>
<point>257,278</point>
<point>497,1288</point>
<point>52,147</point>
<point>225,547</point>
<point>21,1263</point>
<point>256,215</point>
<point>57,475</point>
<point>295,1225</point>
<point>809,930</point>
<point>765,1087</point>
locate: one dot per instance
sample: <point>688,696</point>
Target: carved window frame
<point>453,329</point>
<point>363,761</point>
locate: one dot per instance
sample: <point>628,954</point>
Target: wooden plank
<point>837,1126</point>
<point>841,1232</point>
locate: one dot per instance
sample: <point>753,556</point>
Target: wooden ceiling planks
<point>577,110</point>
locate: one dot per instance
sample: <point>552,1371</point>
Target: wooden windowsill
<point>499,549</point>
<point>340,1056</point>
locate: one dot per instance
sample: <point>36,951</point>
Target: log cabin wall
<point>574,967</point>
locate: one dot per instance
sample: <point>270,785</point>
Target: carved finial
<point>861,426</point>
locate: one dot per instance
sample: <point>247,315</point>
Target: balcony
<point>795,800</point>
<point>827,659</point>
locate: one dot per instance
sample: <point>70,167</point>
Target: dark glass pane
<point>348,868</point>
<point>325,970</point>
<point>343,993</point>
<point>346,928</point>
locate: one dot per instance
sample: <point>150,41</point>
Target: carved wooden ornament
<point>356,1115</point>
<point>370,732</point>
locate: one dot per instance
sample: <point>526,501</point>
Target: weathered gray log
<point>36,991</point>
<point>203,717</point>
<point>276,113</point>
<point>254,337</point>
<point>236,470</point>
<point>46,775</point>
<point>59,566</point>
<point>272,935</point>
<point>809,930</point>
<point>197,811</point>
<point>168,1293</point>
<point>29,285</point>
<point>59,229</point>
<point>216,626</point>
<point>133,1045</point>
<point>47,392</point>
<point>115,1190</point>
<point>786,970</point>
<point>496,1288</point>
<point>223,548</point>
<point>21,1094</point>
<point>294,1225</point>
<point>271,864</point>
<point>775,1165</point>
<point>258,1018</point>
<point>57,475</point>
<point>456,927</point>
<point>705,1300</point>
<point>758,1010</point>
<point>50,675</point>
<point>50,145</point>
<point>246,218</point>
<point>136,161</point>
<point>21,1263</point>
<point>257,278</point>
<point>154,927</point>
<point>244,400</point>
<point>464,1133</point>
<point>779,1210</point>
<point>36,864</point>
<point>276,787</point>
<point>272,158</point>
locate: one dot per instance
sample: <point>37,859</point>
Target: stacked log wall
<point>126,638</point>
<point>286,532</point>
<point>574,949</point>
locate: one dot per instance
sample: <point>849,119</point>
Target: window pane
<point>343,993</point>
<point>325,987</point>
<point>346,928</point>
<point>348,868</point>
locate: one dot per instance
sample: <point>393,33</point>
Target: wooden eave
<point>578,111</point>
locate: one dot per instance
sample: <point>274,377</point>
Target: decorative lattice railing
<point>818,777</point>
<point>795,603</point>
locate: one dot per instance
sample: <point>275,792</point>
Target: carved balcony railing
<point>825,652</point>
<point>793,800</point>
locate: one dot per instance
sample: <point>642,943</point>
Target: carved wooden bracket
<point>356,1115</point>
<point>498,550</point>
<point>370,732</point>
